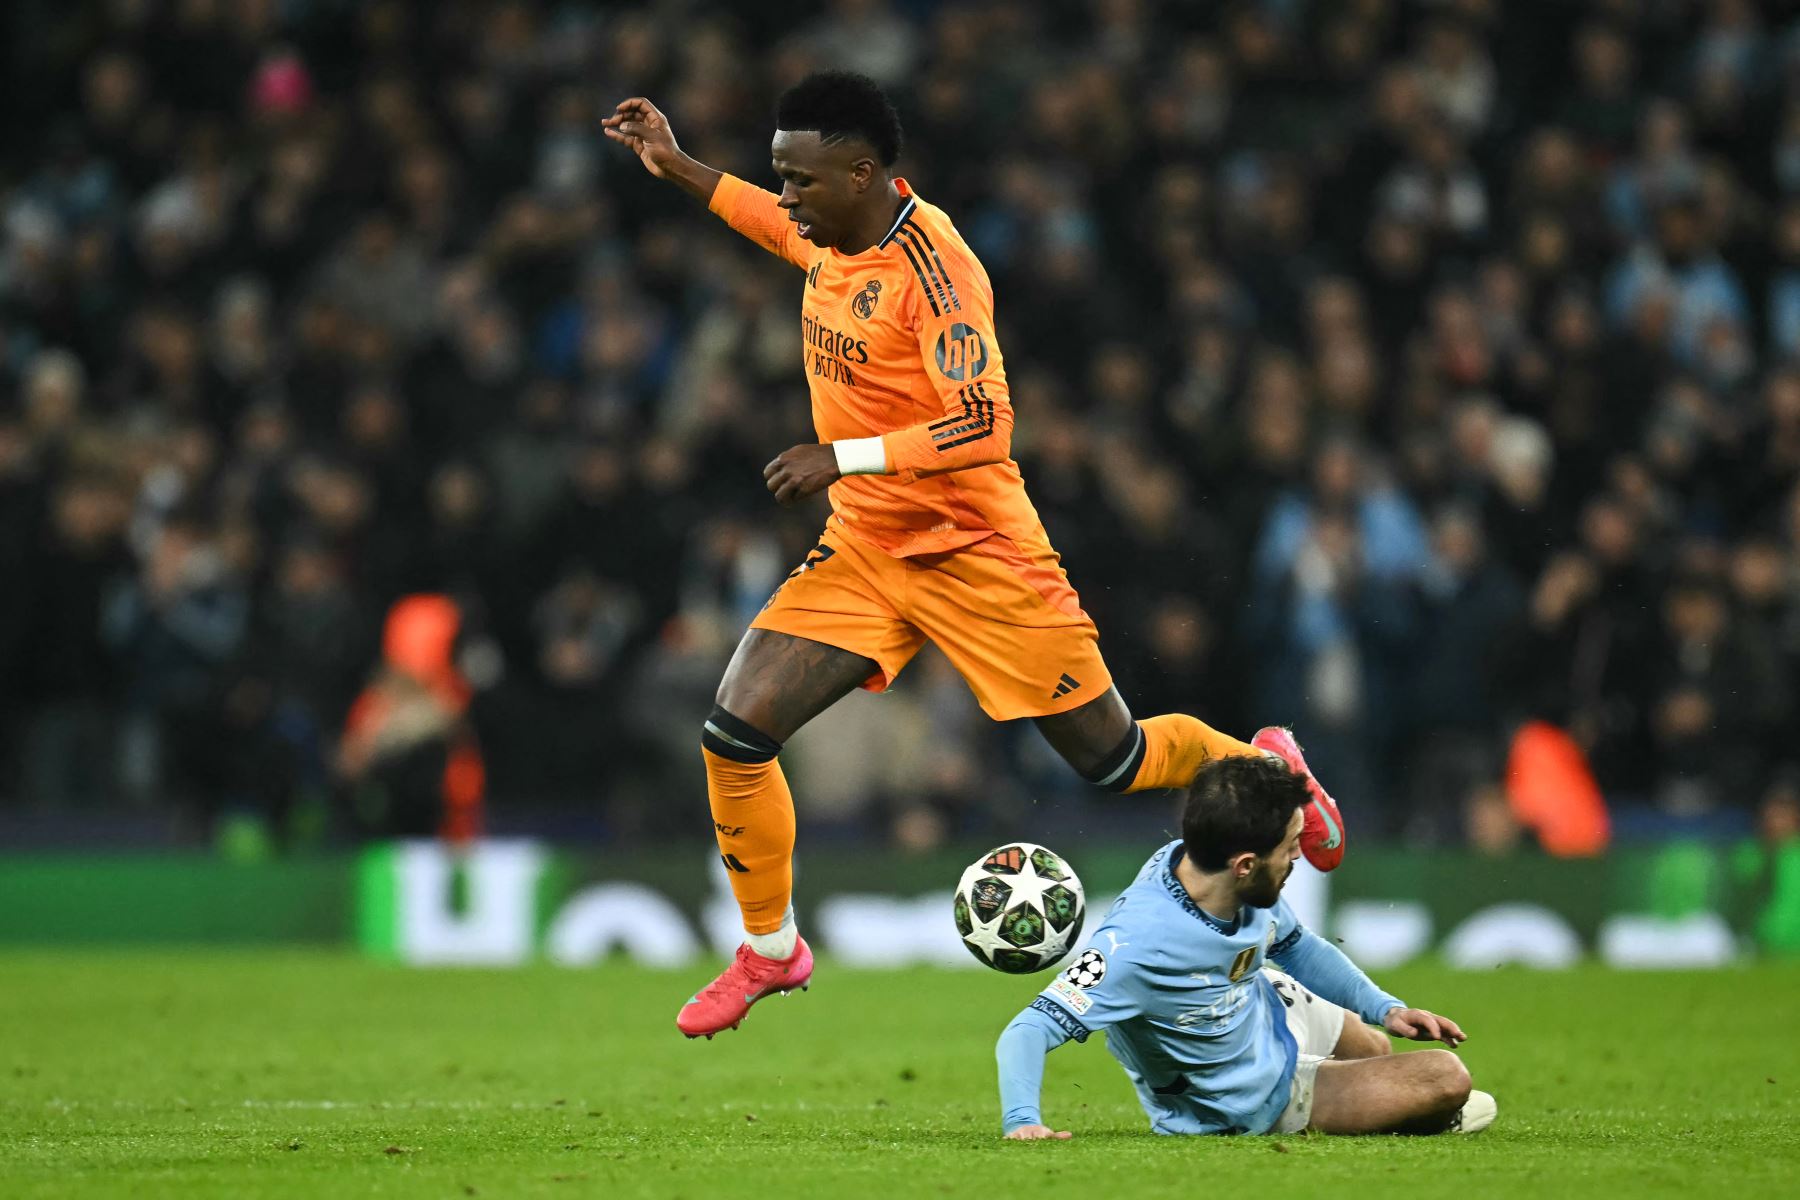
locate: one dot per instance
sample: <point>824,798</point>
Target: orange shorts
<point>1003,614</point>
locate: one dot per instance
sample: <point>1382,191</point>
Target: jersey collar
<point>905,214</point>
<point>1180,894</point>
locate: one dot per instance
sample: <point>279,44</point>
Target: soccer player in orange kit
<point>931,534</point>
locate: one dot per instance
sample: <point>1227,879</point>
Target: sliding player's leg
<point>1426,1091</point>
<point>1358,1040</point>
<point>1423,1092</point>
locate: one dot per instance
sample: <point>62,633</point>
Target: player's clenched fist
<point>645,131</point>
<point>798,473</point>
<point>1037,1133</point>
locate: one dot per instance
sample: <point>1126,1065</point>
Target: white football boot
<point>1476,1114</point>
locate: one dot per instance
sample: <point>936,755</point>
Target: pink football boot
<point>1322,838</point>
<point>723,1003</point>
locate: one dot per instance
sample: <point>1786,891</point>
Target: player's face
<point>821,183</point>
<point>1262,887</point>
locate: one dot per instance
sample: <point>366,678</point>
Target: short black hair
<point>840,105</point>
<point>1236,805</point>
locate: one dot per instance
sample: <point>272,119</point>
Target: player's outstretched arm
<point>1020,1054</point>
<point>641,127</point>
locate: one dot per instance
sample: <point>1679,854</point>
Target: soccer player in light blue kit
<point>1214,1038</point>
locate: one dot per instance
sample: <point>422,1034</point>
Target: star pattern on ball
<point>986,936</point>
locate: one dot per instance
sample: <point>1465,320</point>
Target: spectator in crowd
<point>1469,609</point>
<point>173,626</point>
<point>1717,691</point>
<point>409,761</point>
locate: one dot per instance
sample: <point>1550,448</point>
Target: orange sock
<point>753,818</point>
<point>1176,746</point>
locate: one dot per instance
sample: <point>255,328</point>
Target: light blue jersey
<point>1186,1009</point>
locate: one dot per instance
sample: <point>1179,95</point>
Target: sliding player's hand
<point>1037,1133</point>
<point>1418,1025</point>
<point>798,473</point>
<point>643,129</point>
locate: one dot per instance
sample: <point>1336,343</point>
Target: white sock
<point>781,943</point>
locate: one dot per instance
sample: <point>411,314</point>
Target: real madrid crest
<point>863,305</point>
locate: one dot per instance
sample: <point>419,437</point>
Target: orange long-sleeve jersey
<point>898,341</point>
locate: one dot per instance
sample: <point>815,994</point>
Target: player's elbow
<point>1002,442</point>
<point>1026,1035</point>
<point>1016,1035</point>
<point>996,447</point>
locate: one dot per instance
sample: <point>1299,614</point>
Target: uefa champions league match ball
<point>1019,908</point>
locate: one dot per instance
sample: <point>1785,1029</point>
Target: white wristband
<point>861,456</point>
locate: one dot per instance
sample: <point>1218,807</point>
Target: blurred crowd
<point>1403,372</point>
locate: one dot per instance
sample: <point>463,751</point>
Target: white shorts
<point>1316,1025</point>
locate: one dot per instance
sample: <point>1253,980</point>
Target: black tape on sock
<point>740,741</point>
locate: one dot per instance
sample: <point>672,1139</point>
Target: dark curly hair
<point>1237,804</point>
<point>841,105</point>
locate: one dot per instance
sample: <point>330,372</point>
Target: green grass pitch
<point>290,1074</point>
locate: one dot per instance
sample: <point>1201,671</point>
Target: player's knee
<point>732,737</point>
<point>1448,1079</point>
<point>1357,1040</point>
<point>1376,1043</point>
